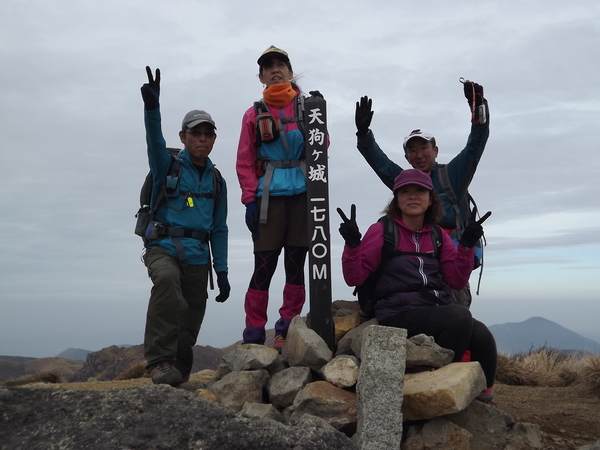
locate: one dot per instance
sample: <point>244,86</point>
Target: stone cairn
<point>379,388</point>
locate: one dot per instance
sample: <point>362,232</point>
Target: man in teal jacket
<point>190,221</point>
<point>420,150</point>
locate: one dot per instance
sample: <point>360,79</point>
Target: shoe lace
<point>165,366</point>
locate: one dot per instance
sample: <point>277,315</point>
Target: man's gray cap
<point>196,117</point>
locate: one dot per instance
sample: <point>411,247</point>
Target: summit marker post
<point>319,251</point>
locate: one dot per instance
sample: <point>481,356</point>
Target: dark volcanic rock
<point>108,363</point>
<point>153,417</point>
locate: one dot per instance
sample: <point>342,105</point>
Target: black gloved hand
<point>224,287</point>
<point>473,231</point>
<point>315,94</point>
<point>349,228</point>
<point>251,216</point>
<point>363,116</point>
<point>477,102</point>
<point>151,90</point>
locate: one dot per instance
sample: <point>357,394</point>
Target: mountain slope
<point>78,354</point>
<point>537,332</point>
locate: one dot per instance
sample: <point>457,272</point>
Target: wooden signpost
<point>319,251</point>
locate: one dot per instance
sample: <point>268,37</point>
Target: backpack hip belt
<point>161,231</point>
<point>270,167</point>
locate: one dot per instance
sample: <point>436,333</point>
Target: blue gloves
<point>224,287</point>
<point>151,90</point>
<point>252,219</point>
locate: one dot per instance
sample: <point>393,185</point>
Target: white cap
<point>418,133</point>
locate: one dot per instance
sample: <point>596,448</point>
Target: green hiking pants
<point>175,310</point>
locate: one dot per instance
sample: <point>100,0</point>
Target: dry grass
<point>53,377</point>
<point>548,367</point>
<point>591,373</point>
<point>136,371</point>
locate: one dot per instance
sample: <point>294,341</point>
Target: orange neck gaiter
<point>279,95</point>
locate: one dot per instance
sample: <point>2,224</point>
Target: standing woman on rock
<point>271,171</point>
<point>409,292</point>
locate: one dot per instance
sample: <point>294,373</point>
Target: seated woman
<point>410,292</point>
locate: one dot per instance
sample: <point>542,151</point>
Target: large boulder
<point>152,417</point>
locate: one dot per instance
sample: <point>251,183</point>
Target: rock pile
<point>379,390</point>
<point>362,389</point>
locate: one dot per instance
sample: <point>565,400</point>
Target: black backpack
<point>146,214</point>
<point>461,221</point>
<point>366,291</point>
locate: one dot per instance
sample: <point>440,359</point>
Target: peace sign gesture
<point>151,89</point>
<point>473,231</point>
<point>349,228</point>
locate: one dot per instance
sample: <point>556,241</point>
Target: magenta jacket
<point>401,286</point>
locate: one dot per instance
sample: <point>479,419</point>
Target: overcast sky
<point>73,154</point>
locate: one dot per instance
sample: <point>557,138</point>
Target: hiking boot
<point>166,373</point>
<point>278,342</point>
<point>486,395</point>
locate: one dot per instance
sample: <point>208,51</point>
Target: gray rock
<point>594,446</point>
<point>304,347</point>
<point>237,388</point>
<point>524,436</point>
<point>344,346</point>
<point>421,350</point>
<point>250,357</point>
<point>447,390</point>
<point>152,417</point>
<point>379,388</point>
<point>263,411</point>
<point>285,385</point>
<point>437,433</point>
<point>222,370</point>
<point>341,371</point>
<point>332,404</point>
<point>344,307</point>
<point>485,423</point>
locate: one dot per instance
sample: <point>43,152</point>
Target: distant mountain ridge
<point>537,332</point>
<point>78,354</point>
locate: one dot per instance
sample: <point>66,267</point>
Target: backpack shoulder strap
<point>390,237</point>
<point>436,238</point>
<point>217,184</point>
<point>260,107</point>
<point>170,181</point>
<point>299,112</point>
<point>447,189</point>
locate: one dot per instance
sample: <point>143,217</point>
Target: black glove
<point>315,94</point>
<point>473,231</point>
<point>364,115</point>
<point>251,216</point>
<point>476,101</point>
<point>224,287</point>
<point>252,220</point>
<point>151,90</point>
<point>349,228</point>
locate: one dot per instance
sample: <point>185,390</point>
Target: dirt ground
<point>569,417</point>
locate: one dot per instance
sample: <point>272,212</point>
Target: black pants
<point>452,327</point>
